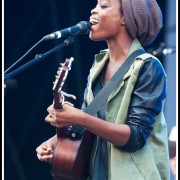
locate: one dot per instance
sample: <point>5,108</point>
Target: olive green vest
<point>152,161</point>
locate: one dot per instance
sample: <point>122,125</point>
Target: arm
<point>72,116</point>
<point>145,105</point>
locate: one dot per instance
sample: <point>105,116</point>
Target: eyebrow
<point>100,1</point>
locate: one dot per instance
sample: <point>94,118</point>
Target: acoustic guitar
<point>71,157</point>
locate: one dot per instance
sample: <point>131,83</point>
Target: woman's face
<point>106,20</point>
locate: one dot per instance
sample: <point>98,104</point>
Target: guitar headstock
<point>59,82</point>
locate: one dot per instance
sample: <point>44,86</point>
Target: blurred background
<point>28,94</point>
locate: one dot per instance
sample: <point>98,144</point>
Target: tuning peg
<point>58,72</point>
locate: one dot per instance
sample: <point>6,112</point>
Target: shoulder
<point>149,58</point>
<point>151,63</point>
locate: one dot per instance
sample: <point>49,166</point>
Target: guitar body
<point>71,158</point>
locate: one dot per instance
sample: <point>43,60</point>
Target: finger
<point>49,118</point>
<point>50,159</point>
<point>47,158</point>
<point>41,149</point>
<point>47,150</point>
<point>55,124</point>
<point>53,116</point>
<point>44,147</point>
<point>66,102</point>
<point>50,109</point>
<point>52,121</point>
<point>45,153</point>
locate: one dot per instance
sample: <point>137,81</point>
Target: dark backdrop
<point>28,94</point>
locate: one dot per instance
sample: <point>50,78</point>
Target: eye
<point>104,6</point>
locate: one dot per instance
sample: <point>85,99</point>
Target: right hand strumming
<point>45,150</point>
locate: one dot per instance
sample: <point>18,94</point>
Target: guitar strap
<point>76,132</point>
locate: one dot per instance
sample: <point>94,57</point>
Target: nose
<point>93,11</point>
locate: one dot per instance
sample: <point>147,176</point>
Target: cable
<point>24,55</point>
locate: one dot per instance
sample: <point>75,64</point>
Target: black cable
<point>24,55</point>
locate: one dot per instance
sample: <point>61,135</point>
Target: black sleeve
<point>146,103</point>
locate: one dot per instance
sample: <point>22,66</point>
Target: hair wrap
<point>143,19</point>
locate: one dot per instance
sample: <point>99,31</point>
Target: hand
<point>45,150</point>
<point>63,117</point>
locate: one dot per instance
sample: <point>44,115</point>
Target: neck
<point>118,49</point>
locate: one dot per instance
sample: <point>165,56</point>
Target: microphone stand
<point>66,42</point>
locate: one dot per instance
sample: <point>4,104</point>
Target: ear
<point>123,21</point>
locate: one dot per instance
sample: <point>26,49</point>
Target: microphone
<point>82,27</point>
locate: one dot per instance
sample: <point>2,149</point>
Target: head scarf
<point>143,19</point>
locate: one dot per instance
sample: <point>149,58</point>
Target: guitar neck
<point>57,101</point>
<point>58,84</point>
<point>57,106</point>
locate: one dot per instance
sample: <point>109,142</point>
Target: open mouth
<point>93,21</point>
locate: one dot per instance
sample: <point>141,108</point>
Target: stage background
<point>28,94</point>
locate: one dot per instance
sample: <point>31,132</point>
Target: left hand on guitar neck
<point>63,117</point>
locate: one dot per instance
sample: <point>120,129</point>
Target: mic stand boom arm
<point>66,42</point>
